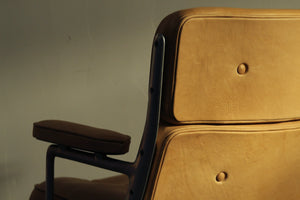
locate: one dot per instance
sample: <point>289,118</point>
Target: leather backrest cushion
<point>203,82</point>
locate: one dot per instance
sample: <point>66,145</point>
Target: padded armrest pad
<point>81,137</point>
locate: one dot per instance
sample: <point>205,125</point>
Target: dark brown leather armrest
<point>81,137</point>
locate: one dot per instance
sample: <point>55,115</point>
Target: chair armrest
<point>81,137</point>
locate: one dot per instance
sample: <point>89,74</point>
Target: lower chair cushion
<point>228,162</point>
<point>82,137</point>
<point>113,188</point>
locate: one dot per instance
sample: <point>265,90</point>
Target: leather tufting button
<point>242,68</point>
<point>222,176</point>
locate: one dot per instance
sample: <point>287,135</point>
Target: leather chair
<point>222,121</point>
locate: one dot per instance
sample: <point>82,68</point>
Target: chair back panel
<point>231,66</point>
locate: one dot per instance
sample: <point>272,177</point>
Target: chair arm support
<point>89,158</point>
<point>81,137</point>
<point>101,161</point>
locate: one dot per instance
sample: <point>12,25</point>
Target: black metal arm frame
<point>137,171</point>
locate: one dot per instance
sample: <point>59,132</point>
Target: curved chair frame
<point>137,171</point>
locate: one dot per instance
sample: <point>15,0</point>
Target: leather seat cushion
<point>113,188</point>
<point>261,161</point>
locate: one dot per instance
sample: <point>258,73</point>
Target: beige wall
<point>82,61</point>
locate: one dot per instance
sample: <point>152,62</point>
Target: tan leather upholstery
<point>113,188</point>
<point>204,48</point>
<point>229,66</point>
<point>81,136</point>
<point>261,162</point>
